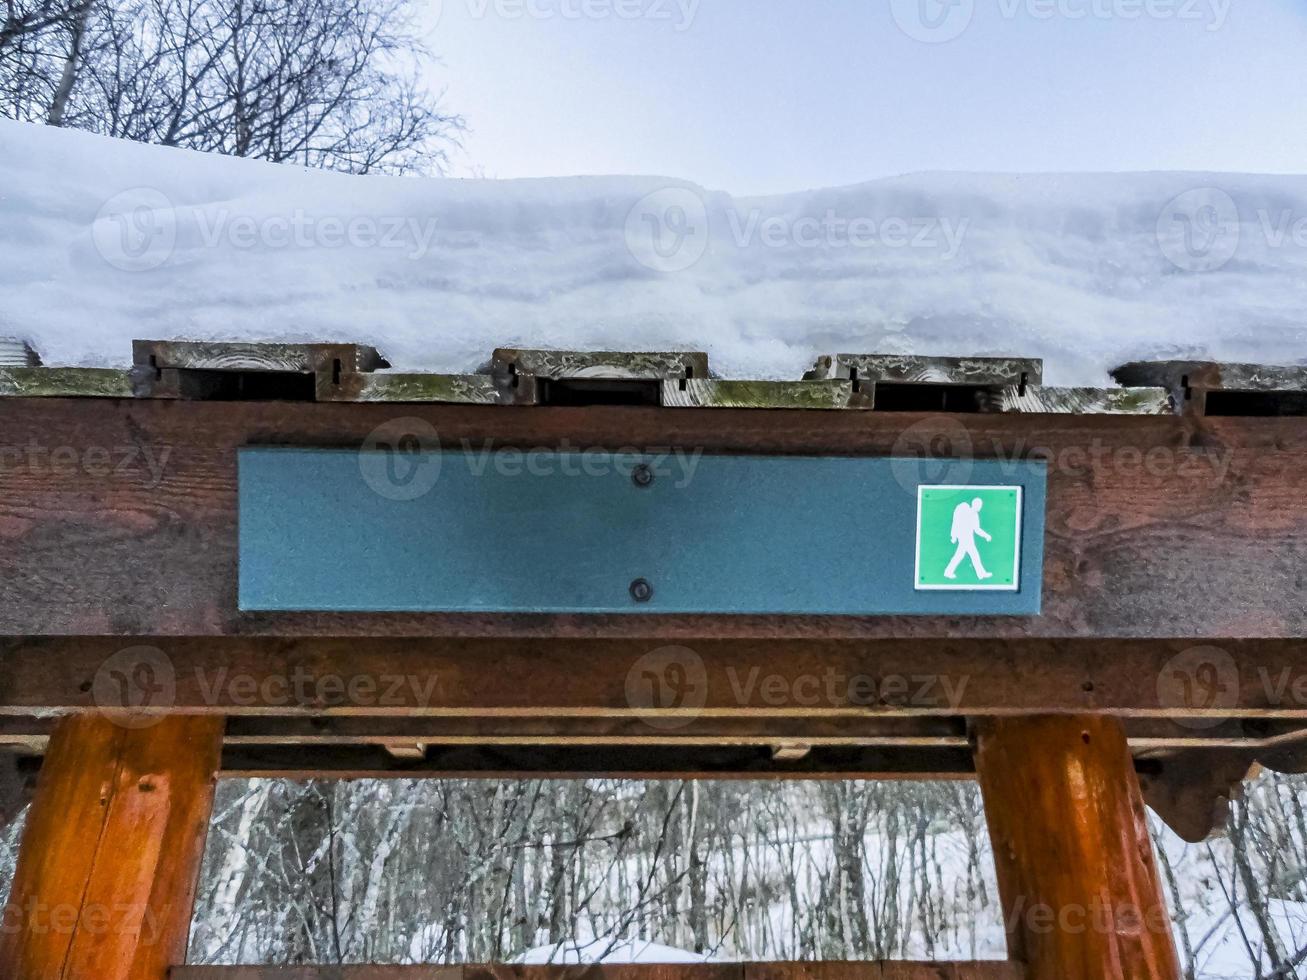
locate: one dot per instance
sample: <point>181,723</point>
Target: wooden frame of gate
<point>1169,658</point>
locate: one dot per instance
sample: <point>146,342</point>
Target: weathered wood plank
<point>562,365</point>
<point>44,382</point>
<point>912,369</point>
<point>609,762</point>
<point>635,678</point>
<point>1085,401</point>
<point>111,851</point>
<point>453,389</point>
<point>1157,526</point>
<point>994,970</point>
<point>700,393</point>
<point>242,356</point>
<point>1175,375</point>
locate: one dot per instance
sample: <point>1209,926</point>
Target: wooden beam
<point>618,971</point>
<point>609,762</point>
<point>804,679</point>
<point>1081,894</point>
<point>1158,527</point>
<point>111,851</point>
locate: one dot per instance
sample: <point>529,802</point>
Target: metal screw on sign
<point>641,590</point>
<point>642,475</point>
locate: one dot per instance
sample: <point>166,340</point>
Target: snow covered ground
<point>608,951</point>
<point>103,241</point>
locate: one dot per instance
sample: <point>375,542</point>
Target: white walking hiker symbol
<point>966,525</point>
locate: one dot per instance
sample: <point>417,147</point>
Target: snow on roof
<point>103,241</point>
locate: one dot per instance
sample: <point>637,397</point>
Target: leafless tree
<point>332,84</point>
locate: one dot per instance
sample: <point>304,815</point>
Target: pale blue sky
<point>756,96</point>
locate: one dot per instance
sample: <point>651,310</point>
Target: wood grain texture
<point>806,679</point>
<point>1158,527</point>
<point>1081,894</point>
<point>1085,401</point>
<point>712,393</point>
<point>111,851</point>
<point>903,368</point>
<point>46,382</point>
<point>565,364</point>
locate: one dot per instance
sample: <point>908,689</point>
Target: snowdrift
<point>103,241</point>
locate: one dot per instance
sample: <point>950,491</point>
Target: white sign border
<point>1016,557</point>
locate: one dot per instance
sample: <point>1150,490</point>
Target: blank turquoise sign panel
<point>549,532</point>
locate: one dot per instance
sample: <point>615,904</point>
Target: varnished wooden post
<point>1076,870</point>
<point>111,852</point>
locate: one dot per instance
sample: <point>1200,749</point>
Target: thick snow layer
<point>104,241</point>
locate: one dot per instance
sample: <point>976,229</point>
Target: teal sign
<point>401,528</point>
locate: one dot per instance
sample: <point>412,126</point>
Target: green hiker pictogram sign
<point>968,538</point>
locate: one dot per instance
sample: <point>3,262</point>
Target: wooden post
<point>111,852</point>
<point>1081,895</point>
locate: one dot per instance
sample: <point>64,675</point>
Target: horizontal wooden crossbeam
<point>652,971</point>
<point>119,515</point>
<point>670,685</point>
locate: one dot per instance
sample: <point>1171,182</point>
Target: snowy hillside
<point>103,241</point>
